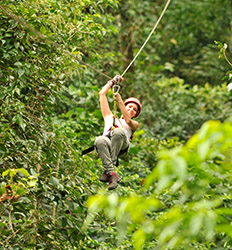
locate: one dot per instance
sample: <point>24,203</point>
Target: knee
<point>101,142</point>
<point>119,132</point>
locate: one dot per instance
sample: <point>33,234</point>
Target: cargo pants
<point>110,147</point>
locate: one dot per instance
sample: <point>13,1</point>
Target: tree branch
<point>224,52</point>
<point>11,225</point>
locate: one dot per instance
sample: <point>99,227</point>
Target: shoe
<point>105,177</point>
<point>114,180</point>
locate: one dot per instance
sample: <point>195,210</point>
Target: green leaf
<point>31,183</point>
<point>196,223</point>
<point>43,29</point>
<point>5,173</point>
<point>210,221</point>
<point>169,232</point>
<point>19,120</point>
<point>2,188</point>
<point>19,64</point>
<point>21,72</point>
<point>54,181</point>
<point>139,238</point>
<point>73,91</point>
<point>113,199</point>
<point>61,76</point>
<point>24,171</point>
<point>203,149</point>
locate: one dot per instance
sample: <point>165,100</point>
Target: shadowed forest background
<point>175,191</point>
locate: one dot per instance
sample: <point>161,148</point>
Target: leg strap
<point>86,151</point>
<point>90,149</point>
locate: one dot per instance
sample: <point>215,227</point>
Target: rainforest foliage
<point>176,181</point>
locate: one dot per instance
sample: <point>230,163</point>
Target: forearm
<point>122,107</point>
<point>105,109</point>
<point>106,88</point>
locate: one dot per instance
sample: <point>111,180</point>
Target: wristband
<point>110,83</point>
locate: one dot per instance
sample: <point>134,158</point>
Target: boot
<point>105,177</point>
<point>114,180</point>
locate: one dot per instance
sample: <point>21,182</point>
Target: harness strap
<point>114,123</point>
<point>116,89</point>
<point>88,150</point>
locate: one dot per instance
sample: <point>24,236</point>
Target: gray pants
<point>109,149</point>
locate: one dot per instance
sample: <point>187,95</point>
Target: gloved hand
<point>117,79</point>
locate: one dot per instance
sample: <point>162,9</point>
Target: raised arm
<point>105,109</point>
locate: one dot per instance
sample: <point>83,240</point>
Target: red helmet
<point>136,101</point>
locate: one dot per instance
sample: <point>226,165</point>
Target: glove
<point>117,79</point>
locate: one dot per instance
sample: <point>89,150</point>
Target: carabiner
<point>117,78</point>
<point>117,88</point>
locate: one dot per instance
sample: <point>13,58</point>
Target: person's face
<point>132,109</point>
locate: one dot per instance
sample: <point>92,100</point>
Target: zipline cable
<point>164,10</point>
